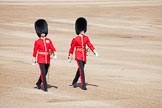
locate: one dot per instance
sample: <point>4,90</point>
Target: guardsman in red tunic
<point>79,43</point>
<point>43,49</point>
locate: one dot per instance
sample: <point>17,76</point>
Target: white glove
<point>34,61</point>
<point>53,55</point>
<point>96,53</point>
<point>70,58</point>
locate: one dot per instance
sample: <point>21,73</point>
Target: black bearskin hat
<point>41,26</point>
<point>80,25</point>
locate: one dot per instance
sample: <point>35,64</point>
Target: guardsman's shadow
<point>48,86</point>
<point>92,85</point>
<point>87,84</point>
<point>51,86</point>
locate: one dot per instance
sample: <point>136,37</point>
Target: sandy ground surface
<point>126,33</point>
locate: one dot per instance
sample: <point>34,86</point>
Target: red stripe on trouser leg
<point>81,76</point>
<point>41,75</point>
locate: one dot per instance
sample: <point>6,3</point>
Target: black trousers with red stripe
<point>42,79</point>
<point>80,73</point>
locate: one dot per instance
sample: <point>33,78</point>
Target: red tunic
<point>43,45</point>
<point>79,43</point>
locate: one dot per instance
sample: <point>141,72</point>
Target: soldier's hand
<point>96,53</point>
<point>70,58</point>
<point>55,55</point>
<point>34,61</point>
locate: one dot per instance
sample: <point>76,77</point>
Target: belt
<point>45,53</point>
<point>80,49</point>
